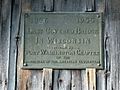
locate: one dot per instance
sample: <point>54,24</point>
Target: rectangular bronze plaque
<point>63,40</point>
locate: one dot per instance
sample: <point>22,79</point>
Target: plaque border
<point>101,37</point>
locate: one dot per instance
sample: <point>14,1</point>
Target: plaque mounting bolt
<point>99,64</point>
<point>25,64</point>
<point>98,16</point>
<point>26,15</point>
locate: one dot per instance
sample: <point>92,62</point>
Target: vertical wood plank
<point>20,56</point>
<point>0,46</point>
<point>47,79</point>
<point>5,22</point>
<point>69,5</point>
<point>62,80</point>
<point>101,80</point>
<point>30,80</point>
<point>14,34</point>
<point>83,75</point>
<point>113,44</point>
<point>48,5</point>
<point>90,5</point>
<point>107,46</point>
<point>91,78</point>
<point>76,80</point>
<point>100,6</point>
<point>33,78</point>
<point>25,74</point>
<point>35,5</point>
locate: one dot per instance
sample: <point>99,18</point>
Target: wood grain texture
<point>62,80</point>
<point>48,5</point>
<point>30,80</point>
<point>24,81</point>
<point>91,78</point>
<point>69,5</point>
<point>47,79</point>
<point>101,80</point>
<point>115,44</point>
<point>112,44</point>
<point>90,5</point>
<point>0,46</point>
<point>5,22</point>
<point>107,79</point>
<point>14,37</point>
<point>33,78</point>
<point>76,80</point>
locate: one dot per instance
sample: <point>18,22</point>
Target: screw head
<point>26,15</point>
<point>25,64</point>
<point>99,64</point>
<point>98,16</point>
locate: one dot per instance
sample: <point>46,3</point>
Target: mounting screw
<point>26,15</point>
<point>25,64</point>
<point>98,16</point>
<point>73,85</point>
<point>98,64</point>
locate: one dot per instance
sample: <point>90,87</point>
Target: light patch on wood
<point>25,74</point>
<point>47,79</point>
<point>48,5</point>
<point>91,78</point>
<point>26,7</point>
<point>90,5</point>
<point>76,80</point>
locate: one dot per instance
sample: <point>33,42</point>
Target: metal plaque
<point>63,40</point>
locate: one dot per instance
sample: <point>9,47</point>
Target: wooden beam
<point>91,78</point>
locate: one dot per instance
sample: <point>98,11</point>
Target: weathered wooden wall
<point>12,77</point>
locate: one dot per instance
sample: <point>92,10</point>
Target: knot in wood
<point>60,80</point>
